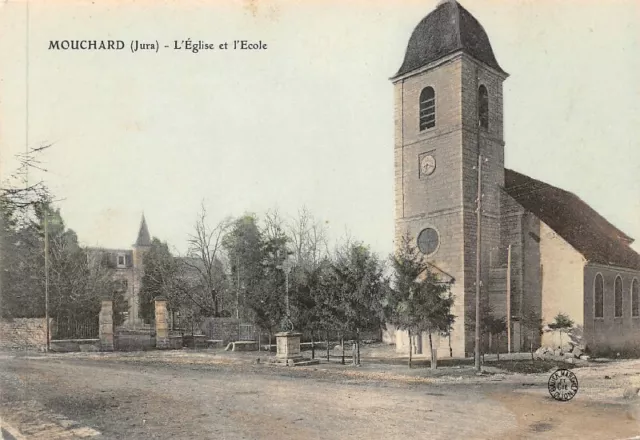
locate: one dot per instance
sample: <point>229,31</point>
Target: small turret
<point>144,239</point>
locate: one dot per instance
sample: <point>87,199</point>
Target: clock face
<point>428,241</point>
<point>427,165</point>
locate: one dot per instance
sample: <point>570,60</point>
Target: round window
<point>428,241</point>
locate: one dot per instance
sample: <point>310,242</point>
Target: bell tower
<point>448,112</point>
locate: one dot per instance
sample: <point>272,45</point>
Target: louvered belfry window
<point>427,108</point>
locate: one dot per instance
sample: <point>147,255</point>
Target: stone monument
<point>288,348</point>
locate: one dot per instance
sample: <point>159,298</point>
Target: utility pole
<point>509,299</point>
<point>286,267</point>
<point>286,288</point>
<point>238,285</point>
<point>46,273</point>
<point>478,258</point>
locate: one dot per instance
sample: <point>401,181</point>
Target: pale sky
<point>309,121</point>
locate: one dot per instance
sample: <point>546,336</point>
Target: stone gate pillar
<point>106,325</point>
<point>162,327</point>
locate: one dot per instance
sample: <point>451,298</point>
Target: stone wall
<point>610,333</point>
<point>74,345</point>
<point>134,340</point>
<point>562,277</point>
<point>23,334</point>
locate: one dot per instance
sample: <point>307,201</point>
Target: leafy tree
<point>355,288</point>
<point>307,300</point>
<point>562,323</point>
<point>418,301</point>
<point>160,278</point>
<point>244,248</point>
<point>268,306</point>
<point>359,277</point>
<point>22,263</point>
<point>532,323</point>
<point>77,283</point>
<point>495,327</point>
<point>268,301</point>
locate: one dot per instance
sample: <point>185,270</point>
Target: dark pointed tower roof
<point>448,29</point>
<point>144,239</point>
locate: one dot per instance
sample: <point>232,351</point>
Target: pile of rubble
<point>569,352</point>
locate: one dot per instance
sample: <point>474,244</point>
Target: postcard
<point>281,219</point>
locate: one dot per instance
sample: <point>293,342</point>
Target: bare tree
<point>16,194</point>
<point>205,258</point>
<point>308,239</point>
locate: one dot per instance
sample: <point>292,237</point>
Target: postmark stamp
<point>563,385</point>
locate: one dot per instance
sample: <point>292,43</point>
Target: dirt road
<point>60,398</point>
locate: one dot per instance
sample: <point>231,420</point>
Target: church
<point>542,250</point>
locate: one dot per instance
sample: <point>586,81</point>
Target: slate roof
<point>110,256</point>
<point>448,29</point>
<point>574,220</point>
<point>144,239</point>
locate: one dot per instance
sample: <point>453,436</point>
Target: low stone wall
<point>194,341</point>
<point>73,345</point>
<point>175,342</point>
<point>23,334</point>
<point>134,340</point>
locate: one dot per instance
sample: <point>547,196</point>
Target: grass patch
<point>529,366</point>
<point>416,363</point>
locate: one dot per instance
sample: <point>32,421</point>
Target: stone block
<point>288,345</point>
<point>576,352</point>
<point>631,393</point>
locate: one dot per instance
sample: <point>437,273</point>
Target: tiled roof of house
<point>574,220</point>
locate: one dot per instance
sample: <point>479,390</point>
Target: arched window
<point>635,298</point>
<point>483,107</point>
<point>617,297</point>
<point>427,108</point>
<point>598,297</point>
